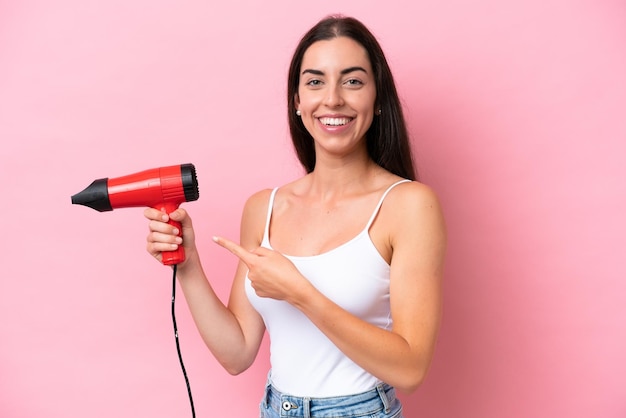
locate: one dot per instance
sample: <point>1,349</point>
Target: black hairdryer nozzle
<point>95,196</point>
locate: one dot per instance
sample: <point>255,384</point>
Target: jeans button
<point>287,406</point>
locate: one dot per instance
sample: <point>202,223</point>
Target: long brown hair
<point>387,138</point>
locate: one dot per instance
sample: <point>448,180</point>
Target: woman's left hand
<point>271,274</point>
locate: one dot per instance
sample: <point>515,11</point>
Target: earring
<point>379,111</point>
<point>298,112</point>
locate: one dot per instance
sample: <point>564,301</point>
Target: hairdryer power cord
<point>180,357</point>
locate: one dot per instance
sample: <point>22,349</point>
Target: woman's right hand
<point>165,237</point>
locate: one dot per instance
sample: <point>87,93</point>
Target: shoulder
<point>412,196</point>
<point>258,201</point>
<point>254,216</point>
<point>413,210</point>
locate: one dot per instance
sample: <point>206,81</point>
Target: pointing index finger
<point>233,248</point>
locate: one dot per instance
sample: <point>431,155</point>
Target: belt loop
<point>383,397</point>
<point>268,384</point>
<point>306,407</point>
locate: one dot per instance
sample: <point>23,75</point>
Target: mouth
<point>335,121</point>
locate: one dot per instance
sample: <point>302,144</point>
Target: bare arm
<point>234,332</point>
<point>401,356</point>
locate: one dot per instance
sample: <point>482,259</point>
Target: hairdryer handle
<point>169,258</point>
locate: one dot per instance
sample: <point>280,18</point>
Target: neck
<point>334,178</point>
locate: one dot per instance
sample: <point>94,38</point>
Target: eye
<point>314,83</point>
<point>353,82</point>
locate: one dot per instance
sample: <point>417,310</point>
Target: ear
<point>296,101</point>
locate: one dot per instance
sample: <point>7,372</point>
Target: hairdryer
<point>163,188</point>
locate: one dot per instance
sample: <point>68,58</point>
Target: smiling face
<point>336,95</point>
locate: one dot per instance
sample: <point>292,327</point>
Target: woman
<point>342,266</point>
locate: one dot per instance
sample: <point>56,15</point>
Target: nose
<point>334,97</point>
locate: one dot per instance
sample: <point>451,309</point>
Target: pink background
<point>518,113</point>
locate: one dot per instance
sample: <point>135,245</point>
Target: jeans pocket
<point>391,414</point>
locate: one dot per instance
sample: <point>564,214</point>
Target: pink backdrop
<point>518,116</point>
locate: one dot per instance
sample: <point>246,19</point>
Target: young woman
<point>343,266</point>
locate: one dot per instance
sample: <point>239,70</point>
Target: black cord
<point>180,357</point>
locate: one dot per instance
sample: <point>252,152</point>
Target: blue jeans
<point>380,402</point>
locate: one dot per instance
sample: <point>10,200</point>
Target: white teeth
<point>334,121</point>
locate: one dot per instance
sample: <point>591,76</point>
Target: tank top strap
<point>270,206</point>
<point>380,202</point>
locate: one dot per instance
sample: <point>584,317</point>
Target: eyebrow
<point>343,72</point>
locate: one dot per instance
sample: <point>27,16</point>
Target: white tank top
<point>356,277</point>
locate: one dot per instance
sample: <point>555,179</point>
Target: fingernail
<point>216,239</point>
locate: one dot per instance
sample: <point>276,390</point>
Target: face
<point>336,95</point>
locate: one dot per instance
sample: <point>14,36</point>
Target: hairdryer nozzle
<point>95,196</point>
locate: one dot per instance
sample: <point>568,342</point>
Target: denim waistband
<point>381,399</point>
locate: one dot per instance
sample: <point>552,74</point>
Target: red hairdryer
<point>163,188</point>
